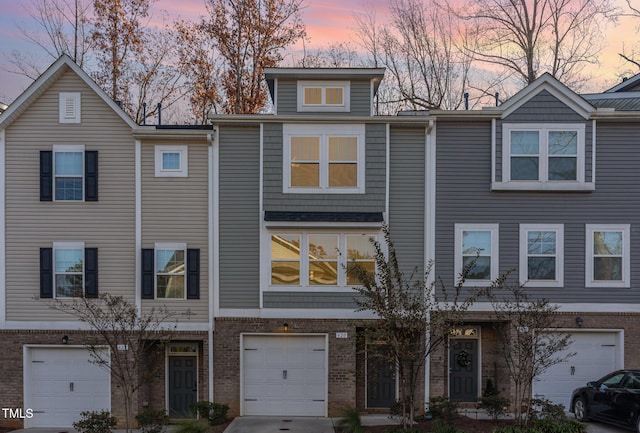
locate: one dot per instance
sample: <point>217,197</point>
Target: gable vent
<point>70,107</point>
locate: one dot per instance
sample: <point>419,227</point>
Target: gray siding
<point>360,103</point>
<point>239,217</point>
<point>406,197</point>
<point>464,196</point>
<point>372,201</point>
<point>309,300</point>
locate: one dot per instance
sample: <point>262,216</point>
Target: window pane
<point>563,142</point>
<point>607,243</point>
<point>541,268</point>
<point>334,95</point>
<point>69,260</point>
<point>525,143</point>
<point>69,188</point>
<point>343,175</point>
<point>170,286</point>
<point>323,273</point>
<point>563,168</point>
<point>360,247</point>
<point>285,259</point>
<point>68,286</point>
<point>69,164</point>
<point>323,247</point>
<point>285,272</point>
<point>481,269</point>
<point>305,174</point>
<point>170,261</point>
<point>352,276</point>
<point>540,242</point>
<point>323,255</point>
<point>476,241</point>
<point>285,247</point>
<point>305,148</point>
<point>607,268</point>
<point>171,160</point>
<point>524,168</point>
<point>343,148</point>
<point>313,95</point>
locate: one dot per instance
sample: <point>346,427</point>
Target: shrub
<point>493,402</point>
<point>350,421</point>
<point>553,426</point>
<point>214,413</point>
<point>95,422</point>
<point>541,408</point>
<point>192,426</point>
<point>442,427</point>
<point>442,407</point>
<point>152,421</point>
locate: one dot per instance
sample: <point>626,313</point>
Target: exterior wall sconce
<point>285,327</point>
<point>65,339</point>
<point>579,321</point>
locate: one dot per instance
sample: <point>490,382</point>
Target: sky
<point>327,21</point>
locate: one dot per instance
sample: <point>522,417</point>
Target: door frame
<point>465,332</point>
<point>168,353</point>
<point>366,375</point>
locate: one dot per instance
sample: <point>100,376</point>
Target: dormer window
<point>323,96</point>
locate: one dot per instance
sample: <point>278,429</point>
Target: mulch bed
<point>466,424</point>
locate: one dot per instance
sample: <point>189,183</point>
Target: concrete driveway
<point>278,424</point>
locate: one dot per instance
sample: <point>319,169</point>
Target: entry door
<point>183,385</point>
<point>463,367</point>
<point>381,378</point>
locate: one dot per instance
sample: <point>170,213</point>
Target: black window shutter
<point>46,272</point>
<point>46,175</point>
<point>147,273</point>
<point>91,175</point>
<point>193,274</point>
<point>91,272</point>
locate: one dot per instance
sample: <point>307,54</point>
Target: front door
<point>381,378</point>
<point>183,385</point>
<point>463,367</point>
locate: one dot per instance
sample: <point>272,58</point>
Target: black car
<point>614,399</point>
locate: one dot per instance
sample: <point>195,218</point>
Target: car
<point>613,399</point>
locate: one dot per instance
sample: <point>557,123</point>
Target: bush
<point>442,427</point>
<point>553,426</point>
<point>152,421</point>
<point>95,422</point>
<point>493,402</point>
<point>192,426</point>
<point>543,409</point>
<point>214,413</point>
<point>350,421</point>
<point>442,407</point>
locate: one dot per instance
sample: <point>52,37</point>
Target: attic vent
<point>69,107</point>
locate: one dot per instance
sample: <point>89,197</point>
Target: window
<point>170,271</point>
<point>317,260</point>
<point>327,159</point>
<point>476,249</point>
<point>171,161</point>
<point>69,107</point>
<point>607,255</point>
<point>68,270</point>
<point>68,173</point>
<point>549,154</point>
<point>541,255</point>
<point>323,96</point>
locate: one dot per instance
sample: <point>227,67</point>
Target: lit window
<point>171,161</point>
<point>608,258</point>
<point>285,259</point>
<point>476,250</point>
<point>541,255</point>
<point>323,96</point>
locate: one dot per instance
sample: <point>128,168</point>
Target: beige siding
<point>30,224</point>
<point>175,209</point>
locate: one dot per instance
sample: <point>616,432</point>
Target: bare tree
<point>632,57</point>
<point>528,37</point>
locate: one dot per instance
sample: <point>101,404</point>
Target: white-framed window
<point>551,154</point>
<point>324,96</point>
<point>607,255</point>
<point>317,260</point>
<point>324,159</point>
<point>542,255</point>
<point>69,107</point>
<point>476,249</point>
<point>170,270</point>
<point>68,172</point>
<point>68,269</point>
<point>171,161</point>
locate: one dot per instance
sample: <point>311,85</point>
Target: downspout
<point>138,224</point>
<point>213,223</point>
<point>429,235</point>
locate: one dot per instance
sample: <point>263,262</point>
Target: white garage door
<point>62,382</point>
<point>596,354</point>
<point>284,375</point>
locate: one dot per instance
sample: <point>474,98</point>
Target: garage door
<point>62,382</point>
<point>596,354</point>
<point>284,375</point>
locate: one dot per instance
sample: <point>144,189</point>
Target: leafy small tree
<point>135,341</point>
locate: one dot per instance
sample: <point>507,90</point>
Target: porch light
<point>579,321</point>
<point>65,339</point>
<point>285,327</point>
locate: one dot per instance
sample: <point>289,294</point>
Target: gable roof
<point>627,85</point>
<point>547,82</point>
<point>46,80</point>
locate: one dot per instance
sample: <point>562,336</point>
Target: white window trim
<point>543,183</point>
<point>168,246</point>
<point>495,249</point>
<point>67,246</point>
<point>68,148</point>
<point>524,230</point>
<point>63,98</point>
<point>183,171</point>
<point>346,95</point>
<point>626,255</point>
<point>304,264</point>
<point>323,131</point>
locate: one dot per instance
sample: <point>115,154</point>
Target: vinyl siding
<point>239,217</point>
<point>304,300</point>
<point>175,210</point>
<point>464,196</point>
<point>107,224</point>
<point>372,201</point>
<point>360,99</point>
